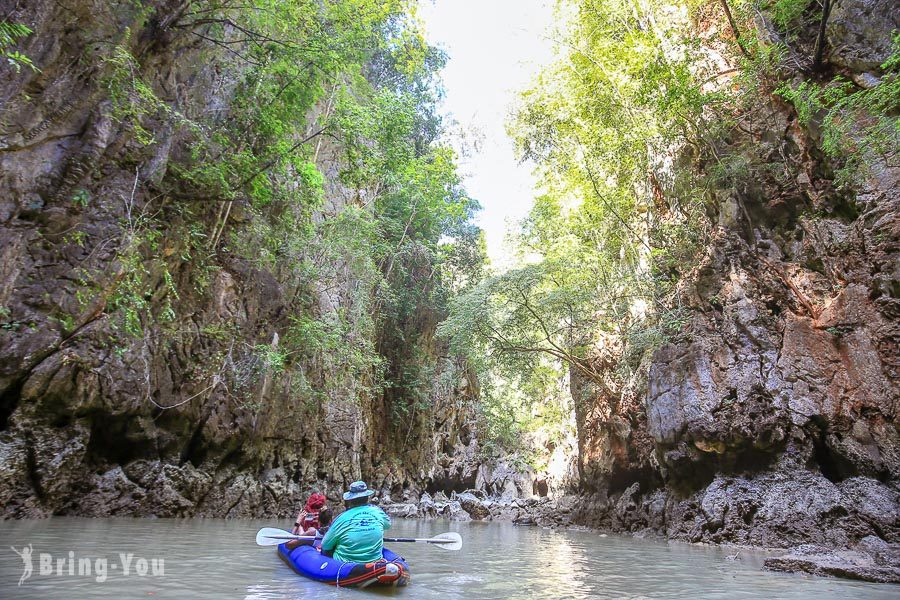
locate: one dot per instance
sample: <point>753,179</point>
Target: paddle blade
<point>271,536</point>
<point>448,541</point>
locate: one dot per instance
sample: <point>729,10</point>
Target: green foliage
<point>365,261</point>
<point>142,284</point>
<point>787,14</point>
<point>81,197</point>
<point>353,76</point>
<point>272,358</point>
<point>616,226</point>
<point>857,124</point>
<point>131,97</point>
<point>10,36</point>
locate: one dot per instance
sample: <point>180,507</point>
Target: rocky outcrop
<point>137,339</point>
<point>771,418</point>
<point>871,560</point>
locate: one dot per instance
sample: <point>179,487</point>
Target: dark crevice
<point>687,477</point>
<point>690,474</point>
<point>449,484</point>
<point>833,466</point>
<point>34,477</point>
<point>646,476</point>
<point>9,401</point>
<point>194,451</point>
<point>749,514</point>
<point>113,442</point>
<point>233,456</point>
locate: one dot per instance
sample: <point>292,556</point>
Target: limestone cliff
<point>771,419</point>
<point>141,334</point>
<point>140,371</point>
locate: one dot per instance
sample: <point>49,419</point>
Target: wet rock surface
<point>871,560</point>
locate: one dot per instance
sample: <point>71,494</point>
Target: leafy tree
<point>616,225</point>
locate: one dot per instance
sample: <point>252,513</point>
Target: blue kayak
<point>392,570</point>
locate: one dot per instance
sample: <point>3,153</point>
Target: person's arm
<point>385,520</point>
<point>298,523</point>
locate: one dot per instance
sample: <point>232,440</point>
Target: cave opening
<point>833,466</point>
<point>195,450</point>
<point>9,401</point>
<point>114,441</point>
<point>450,484</point>
<point>646,476</point>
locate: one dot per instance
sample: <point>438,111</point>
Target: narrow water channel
<point>206,558</point>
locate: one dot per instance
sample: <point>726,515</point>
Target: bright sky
<point>495,47</point>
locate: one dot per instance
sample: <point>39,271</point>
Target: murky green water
<point>218,559</point>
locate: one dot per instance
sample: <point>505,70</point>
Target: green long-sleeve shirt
<point>357,534</point>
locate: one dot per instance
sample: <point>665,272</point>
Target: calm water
<point>218,559</point>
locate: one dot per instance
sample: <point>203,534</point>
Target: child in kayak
<point>357,534</point>
<point>324,522</point>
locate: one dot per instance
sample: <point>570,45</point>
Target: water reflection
<point>214,558</point>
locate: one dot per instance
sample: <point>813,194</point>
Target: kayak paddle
<point>271,536</point>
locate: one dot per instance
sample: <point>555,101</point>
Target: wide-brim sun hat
<point>358,489</point>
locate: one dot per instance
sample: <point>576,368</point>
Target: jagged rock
<point>852,564</point>
<point>626,508</point>
<point>408,510</point>
<point>775,509</point>
<point>113,493</point>
<point>859,32</point>
<point>504,480</point>
<point>875,503</point>
<point>427,506</point>
<point>473,505</point>
<point>456,513</point>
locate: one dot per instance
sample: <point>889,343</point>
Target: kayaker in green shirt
<point>357,534</point>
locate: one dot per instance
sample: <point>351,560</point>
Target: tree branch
<point>611,208</point>
<point>734,28</point>
<point>820,39</point>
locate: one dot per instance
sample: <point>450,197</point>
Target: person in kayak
<point>309,518</point>
<point>324,522</point>
<point>318,532</point>
<point>357,534</point>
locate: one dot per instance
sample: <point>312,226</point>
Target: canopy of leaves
<point>604,243</point>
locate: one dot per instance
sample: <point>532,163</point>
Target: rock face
<point>872,560</point>
<point>771,419</point>
<point>189,416</point>
<point>859,31</point>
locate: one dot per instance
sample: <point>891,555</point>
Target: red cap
<point>315,502</point>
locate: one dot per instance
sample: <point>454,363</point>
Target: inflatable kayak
<point>392,570</point>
